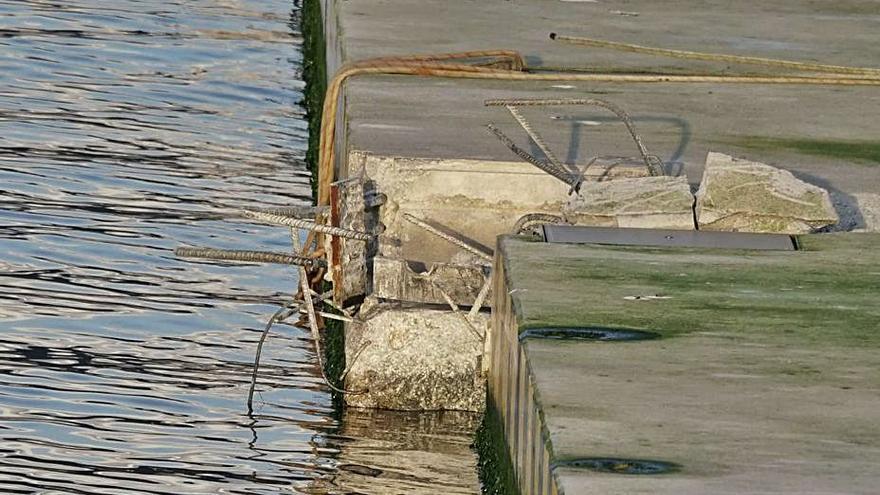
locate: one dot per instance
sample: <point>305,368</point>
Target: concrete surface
<point>794,127</point>
<point>396,279</point>
<point>415,359</point>
<point>647,203</point>
<point>764,379</point>
<point>743,196</point>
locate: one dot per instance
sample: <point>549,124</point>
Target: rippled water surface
<point>128,127</point>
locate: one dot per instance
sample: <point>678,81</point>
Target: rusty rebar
<point>275,317</point>
<point>316,335</point>
<point>549,168</point>
<point>293,211</point>
<point>447,237</point>
<point>531,219</point>
<point>438,65</point>
<point>652,163</point>
<point>718,57</point>
<point>538,139</point>
<point>248,256</point>
<point>273,219</point>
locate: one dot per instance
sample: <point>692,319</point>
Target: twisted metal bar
<point>530,219</point>
<point>544,166</point>
<point>455,310</point>
<point>652,163</point>
<point>537,139</point>
<point>248,256</point>
<point>293,211</point>
<point>316,336</point>
<point>298,303</point>
<point>354,358</point>
<point>446,237</point>
<point>274,219</point>
<point>275,317</point>
<point>481,296</point>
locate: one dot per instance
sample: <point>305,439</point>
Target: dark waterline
<point>128,127</point>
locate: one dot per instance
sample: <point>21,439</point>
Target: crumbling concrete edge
<point>512,389</point>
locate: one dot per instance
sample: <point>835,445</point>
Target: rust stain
<point>335,244</point>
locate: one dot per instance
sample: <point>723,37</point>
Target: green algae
<point>493,459</point>
<point>824,295</point>
<point>856,151</point>
<point>315,77</point>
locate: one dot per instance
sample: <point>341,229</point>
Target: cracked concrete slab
<point>745,196</point>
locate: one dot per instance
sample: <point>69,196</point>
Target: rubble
<point>744,196</point>
<point>395,278</point>
<point>649,202</point>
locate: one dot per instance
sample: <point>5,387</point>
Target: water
<point>128,127</point>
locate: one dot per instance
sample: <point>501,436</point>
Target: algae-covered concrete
<point>764,378</point>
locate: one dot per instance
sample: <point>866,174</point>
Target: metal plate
<point>573,234</point>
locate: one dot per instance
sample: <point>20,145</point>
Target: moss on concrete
<point>864,151</point>
<point>495,469</point>
<point>822,295</point>
<point>315,77</point>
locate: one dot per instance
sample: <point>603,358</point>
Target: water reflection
<point>128,127</point>
<point>404,453</point>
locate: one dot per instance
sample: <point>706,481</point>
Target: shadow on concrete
<point>845,204</point>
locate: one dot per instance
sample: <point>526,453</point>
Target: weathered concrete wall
<point>512,392</point>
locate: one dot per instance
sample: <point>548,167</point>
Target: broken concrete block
<point>348,270</point>
<point>744,196</point>
<point>478,198</point>
<point>649,202</point>
<point>399,279</point>
<point>415,359</point>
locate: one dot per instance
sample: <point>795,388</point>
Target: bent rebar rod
<point>275,317</point>
<point>316,336</point>
<point>531,219</point>
<point>293,211</point>
<point>549,168</point>
<point>651,161</point>
<point>539,140</point>
<point>446,237</point>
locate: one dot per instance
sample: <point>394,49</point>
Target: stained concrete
<point>800,438</point>
<point>764,379</point>
<point>402,280</point>
<point>416,359</point>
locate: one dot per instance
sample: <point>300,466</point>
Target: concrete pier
<point>759,374</point>
<point>814,131</point>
